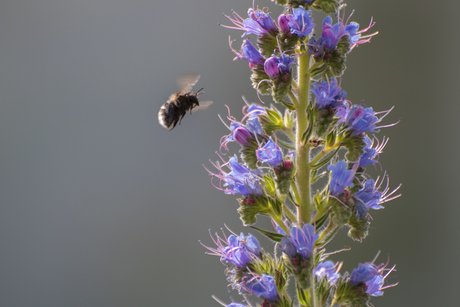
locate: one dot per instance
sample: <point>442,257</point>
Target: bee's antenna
<point>197,93</point>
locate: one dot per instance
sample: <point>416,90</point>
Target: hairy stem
<point>302,174</point>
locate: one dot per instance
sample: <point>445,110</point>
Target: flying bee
<point>179,103</point>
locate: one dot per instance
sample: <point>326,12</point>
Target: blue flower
<point>241,180</point>
<point>278,66</point>
<point>244,134</point>
<point>371,196</point>
<point>249,53</point>
<point>303,240</point>
<point>254,110</point>
<point>263,19</point>
<point>241,250</point>
<point>332,34</point>
<point>370,275</point>
<point>341,177</point>
<point>364,272</point>
<point>329,270</point>
<point>371,154</point>
<point>258,23</point>
<point>261,286</point>
<point>301,22</point>
<point>270,153</point>
<point>238,250</point>
<point>236,305</point>
<point>328,94</point>
<point>361,120</point>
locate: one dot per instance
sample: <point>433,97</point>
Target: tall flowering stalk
<point>311,132</point>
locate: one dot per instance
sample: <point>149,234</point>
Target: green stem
<point>288,213</point>
<point>302,174</point>
<point>313,294</point>
<point>296,193</point>
<point>318,157</point>
<point>278,221</point>
<point>289,133</point>
<point>293,99</point>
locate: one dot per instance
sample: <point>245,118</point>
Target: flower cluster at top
<point>311,133</point>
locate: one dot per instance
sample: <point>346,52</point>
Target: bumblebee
<point>179,103</point>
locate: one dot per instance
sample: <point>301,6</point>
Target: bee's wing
<point>203,106</point>
<point>186,82</point>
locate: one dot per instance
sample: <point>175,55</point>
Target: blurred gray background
<point>101,206</point>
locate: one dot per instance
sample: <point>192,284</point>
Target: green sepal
<point>287,42</point>
<point>281,86</point>
<point>267,43</point>
<point>323,120</point>
<point>327,6</point>
<point>258,75</point>
<point>274,236</point>
<point>341,214</point>
<point>283,176</point>
<point>251,206</point>
<point>289,118</point>
<point>277,207</point>
<point>272,120</point>
<point>248,152</point>
<point>355,145</point>
<point>319,222</point>
<point>324,291</point>
<point>270,188</point>
<point>347,295</point>
<point>359,228</point>
<point>303,296</point>
<point>331,139</point>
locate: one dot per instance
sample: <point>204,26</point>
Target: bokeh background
<point>101,206</point>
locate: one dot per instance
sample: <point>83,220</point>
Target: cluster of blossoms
<point>319,135</point>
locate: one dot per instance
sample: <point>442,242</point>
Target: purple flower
<point>249,53</point>
<point>236,305</point>
<point>360,120</point>
<point>371,276</point>
<point>241,250</point>
<point>278,66</point>
<point>238,250</point>
<point>270,153</point>
<point>328,94</point>
<point>302,239</point>
<point>329,270</point>
<point>301,22</point>
<point>263,19</point>
<point>370,154</point>
<point>331,35</point>
<point>258,23</point>
<point>283,24</point>
<point>341,177</point>
<point>254,110</point>
<point>243,134</point>
<point>261,286</point>
<point>372,197</point>
<point>241,180</point>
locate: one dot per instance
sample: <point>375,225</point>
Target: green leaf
<point>274,236</point>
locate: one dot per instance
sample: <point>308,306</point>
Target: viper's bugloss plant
<point>310,135</point>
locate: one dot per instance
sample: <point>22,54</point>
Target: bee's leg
<point>181,118</point>
<point>174,125</point>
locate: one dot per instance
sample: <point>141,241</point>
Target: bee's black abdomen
<point>175,109</point>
